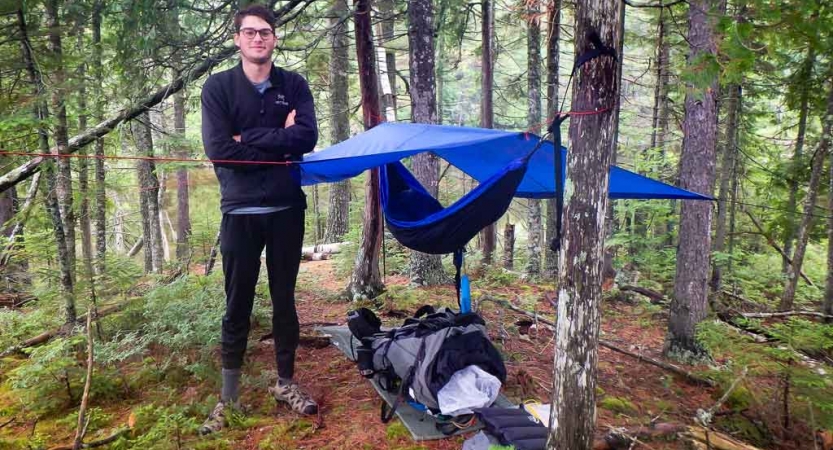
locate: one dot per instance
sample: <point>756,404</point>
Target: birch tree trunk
<point>425,269</point>
<point>553,35</point>
<point>64,177</point>
<point>98,114</point>
<point>579,282</point>
<point>689,305</point>
<point>338,211</point>
<point>533,47</point>
<point>727,172</point>
<point>804,228</point>
<point>366,280</point>
<point>487,11</point>
<point>387,58</point>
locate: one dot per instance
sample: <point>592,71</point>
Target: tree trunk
<point>797,167</point>
<point>98,115</point>
<point>366,280</point>
<point>487,12</point>
<point>387,58</point>
<point>183,208</point>
<point>810,203</point>
<point>149,186</point>
<point>83,170</point>
<point>64,177</point>
<point>689,305</point>
<point>553,35</point>
<point>338,211</point>
<point>533,50</point>
<point>41,114</point>
<point>659,120</point>
<point>508,246</point>
<point>727,172</point>
<point>579,281</point>
<point>827,307</point>
<point>425,269</point>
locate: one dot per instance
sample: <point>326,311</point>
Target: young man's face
<point>254,47</point>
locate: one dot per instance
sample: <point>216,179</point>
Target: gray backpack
<point>417,359</point>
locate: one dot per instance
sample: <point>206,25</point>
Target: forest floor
<point>630,393</point>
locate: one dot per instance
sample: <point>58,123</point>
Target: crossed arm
<point>299,135</point>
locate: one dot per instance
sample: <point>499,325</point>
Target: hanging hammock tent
<point>503,162</point>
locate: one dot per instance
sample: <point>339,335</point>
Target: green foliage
<point>180,317</point>
<point>159,428</point>
<point>51,378</point>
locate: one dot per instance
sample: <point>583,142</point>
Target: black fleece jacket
<point>232,106</point>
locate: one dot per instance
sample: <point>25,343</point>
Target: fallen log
<point>48,335</point>
<point>786,314</point>
<point>108,440</point>
<point>708,439</point>
<point>667,366</point>
<point>323,248</point>
<point>624,438</point>
<point>656,297</point>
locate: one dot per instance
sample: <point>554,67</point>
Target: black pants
<point>242,239</point>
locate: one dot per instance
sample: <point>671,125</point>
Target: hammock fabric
<point>420,222</point>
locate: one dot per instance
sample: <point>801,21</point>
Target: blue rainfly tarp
<point>503,162</point>
<point>480,153</point>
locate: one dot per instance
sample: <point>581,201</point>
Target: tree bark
<point>727,172</point>
<point>98,114</point>
<point>338,211</point>
<point>797,165</point>
<point>387,58</point>
<point>508,246</point>
<point>661,110</point>
<point>553,35</point>
<point>41,114</point>
<point>533,50</point>
<point>64,175</point>
<point>149,186</point>
<point>487,11</point>
<point>689,305</point>
<point>183,206</point>
<point>579,280</point>
<point>425,269</point>
<point>827,306</point>
<point>804,228</point>
<point>366,280</point>
<point>83,171</point>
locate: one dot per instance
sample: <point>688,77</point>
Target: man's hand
<point>290,119</point>
<point>236,137</point>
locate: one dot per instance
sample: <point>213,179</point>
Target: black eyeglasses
<point>249,33</point>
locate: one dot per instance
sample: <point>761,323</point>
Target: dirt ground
<point>636,393</point>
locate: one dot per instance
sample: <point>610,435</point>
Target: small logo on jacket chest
<point>281,100</point>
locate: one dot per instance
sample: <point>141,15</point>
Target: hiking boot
<point>217,420</point>
<point>296,398</point>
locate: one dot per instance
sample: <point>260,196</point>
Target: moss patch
<point>618,405</point>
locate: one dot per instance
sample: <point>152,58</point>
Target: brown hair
<point>254,10</point>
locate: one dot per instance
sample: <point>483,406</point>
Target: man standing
<point>258,113</point>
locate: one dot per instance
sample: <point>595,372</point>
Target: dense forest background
<point>127,228</point>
